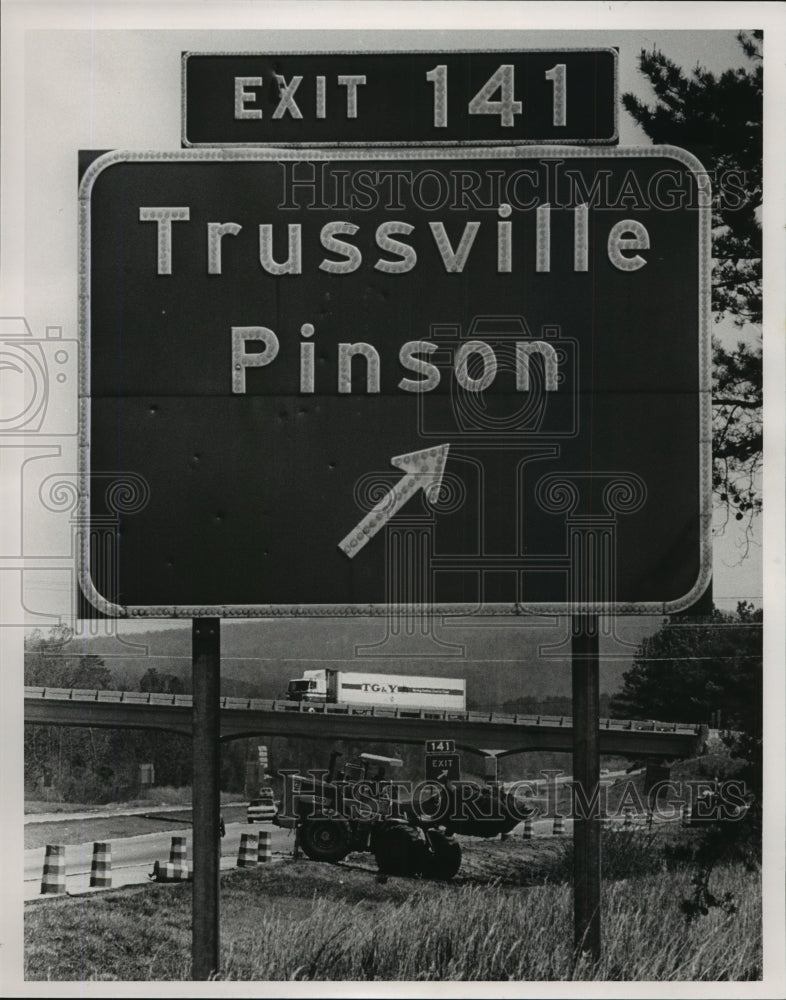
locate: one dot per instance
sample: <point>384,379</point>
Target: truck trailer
<point>398,690</point>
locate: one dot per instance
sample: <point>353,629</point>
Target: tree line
<point>702,670</point>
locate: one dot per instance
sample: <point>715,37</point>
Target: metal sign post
<point>592,543</point>
<point>586,775</point>
<point>206,805</point>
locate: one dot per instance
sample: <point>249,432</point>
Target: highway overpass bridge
<point>243,717</point>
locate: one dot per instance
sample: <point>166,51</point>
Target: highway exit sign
<point>385,98</point>
<point>329,372</point>
<point>443,768</point>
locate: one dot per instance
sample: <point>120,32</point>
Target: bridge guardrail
<point>379,711</point>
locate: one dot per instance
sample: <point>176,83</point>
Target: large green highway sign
<point>331,368</point>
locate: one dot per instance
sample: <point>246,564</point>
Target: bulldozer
<point>356,808</point>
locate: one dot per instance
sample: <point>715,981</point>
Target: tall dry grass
<point>487,934</point>
<point>405,930</point>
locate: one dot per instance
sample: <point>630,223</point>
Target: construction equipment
<point>357,809</point>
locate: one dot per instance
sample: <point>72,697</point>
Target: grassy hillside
<point>507,916</point>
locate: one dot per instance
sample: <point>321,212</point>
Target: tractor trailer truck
<point>399,690</point>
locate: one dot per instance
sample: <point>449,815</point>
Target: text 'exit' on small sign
<point>443,768</point>
<point>403,98</point>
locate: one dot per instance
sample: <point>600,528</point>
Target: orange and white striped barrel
<point>559,826</point>
<point>178,853</point>
<point>101,868</point>
<point>527,832</point>
<point>247,852</point>
<point>53,880</point>
<point>265,852</point>
<point>176,869</point>
<point>173,872</point>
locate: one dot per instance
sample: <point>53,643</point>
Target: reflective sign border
<point>112,610</point>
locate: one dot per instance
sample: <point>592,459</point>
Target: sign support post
<point>586,775</point>
<point>206,806</point>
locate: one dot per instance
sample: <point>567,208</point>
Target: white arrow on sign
<point>424,470</point>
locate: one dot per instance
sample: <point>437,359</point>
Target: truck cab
<point>311,687</point>
<point>263,807</point>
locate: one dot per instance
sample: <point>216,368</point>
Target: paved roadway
<point>133,857</point>
<point>109,811</point>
